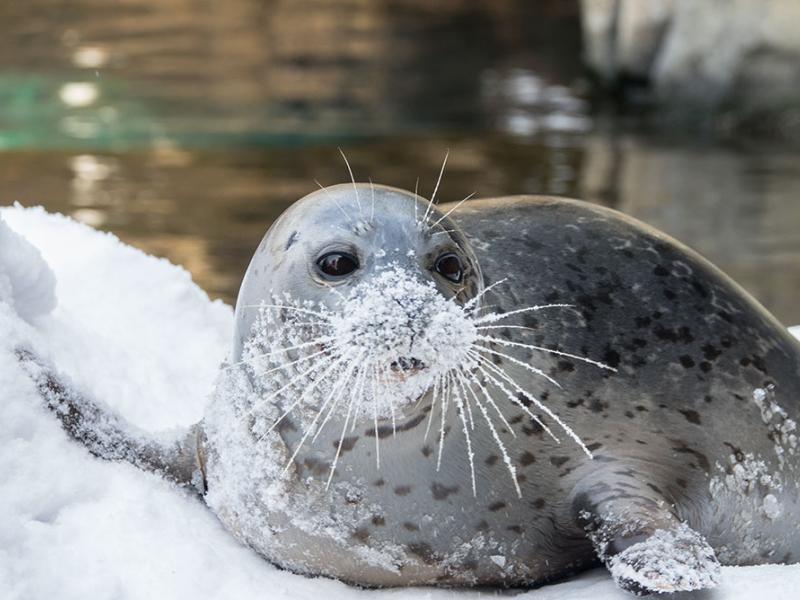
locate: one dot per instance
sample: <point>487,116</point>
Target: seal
<point>500,392</point>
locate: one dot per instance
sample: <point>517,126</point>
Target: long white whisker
<point>328,367</point>
<point>341,387</point>
<point>503,342</point>
<point>514,400</point>
<point>491,318</point>
<point>492,403</point>
<point>449,212</point>
<point>341,437</point>
<point>465,428</point>
<point>375,416</point>
<point>516,361</point>
<point>501,446</point>
<point>436,188</point>
<point>252,359</point>
<point>443,391</point>
<point>353,179</point>
<point>567,429</point>
<point>307,311</point>
<point>482,293</point>
<point>311,428</point>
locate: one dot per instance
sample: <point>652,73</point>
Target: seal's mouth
<point>407,366</point>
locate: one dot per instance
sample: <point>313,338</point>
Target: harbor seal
<point>501,392</point>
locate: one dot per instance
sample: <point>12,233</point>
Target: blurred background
<point>186,126</point>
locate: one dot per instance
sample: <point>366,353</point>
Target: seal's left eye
<point>449,266</point>
<point>337,264</point>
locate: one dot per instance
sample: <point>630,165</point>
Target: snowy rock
<point>709,53</point>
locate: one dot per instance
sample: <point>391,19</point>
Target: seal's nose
<point>407,366</point>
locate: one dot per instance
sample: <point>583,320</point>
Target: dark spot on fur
<point>660,271</point>
<point>611,358</point>
<point>691,415</point>
<point>705,366</point>
<point>423,551</point>
<point>492,460</point>
<point>361,534</point>
<point>539,503</point>
<point>292,239</point>
<point>348,443</point>
<point>402,490</point>
<point>702,459</point>
<point>378,521</point>
<point>515,529</point>
<point>565,365</point>
<point>629,414</point>
<point>682,483</point>
<point>410,526</point>
<point>441,492</point>
<point>482,526</point>
<point>379,483</point>
<point>710,352</point>
<point>527,459</point>
<point>686,361</point>
<point>495,506</point>
<point>385,431</point>
<point>594,446</point>
<point>426,450</point>
<point>557,461</point>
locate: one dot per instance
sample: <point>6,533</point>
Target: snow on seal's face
<point>355,307</point>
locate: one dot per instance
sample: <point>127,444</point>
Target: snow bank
<point>139,334</point>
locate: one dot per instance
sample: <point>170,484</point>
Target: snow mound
<point>137,333</point>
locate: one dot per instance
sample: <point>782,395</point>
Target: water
<point>186,127</point>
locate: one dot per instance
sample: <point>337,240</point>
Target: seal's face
<point>360,293</point>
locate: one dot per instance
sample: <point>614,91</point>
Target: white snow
<point>139,334</point>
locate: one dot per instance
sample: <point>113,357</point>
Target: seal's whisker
<point>329,366</point>
<point>435,189</point>
<point>567,429</point>
<point>449,212</point>
<point>500,445</point>
<point>443,231</point>
<point>491,318</point>
<point>309,430</point>
<point>430,413</point>
<point>353,179</point>
<point>315,342</point>
<point>516,361</point>
<point>344,430</point>
<point>443,391</point>
<point>291,382</point>
<point>474,301</point>
<point>375,416</point>
<point>503,342</point>
<point>460,381</point>
<point>249,361</point>
<point>460,402</point>
<point>334,200</point>
<point>360,394</point>
<point>339,388</point>
<point>514,400</point>
<point>289,307</point>
<point>492,403</point>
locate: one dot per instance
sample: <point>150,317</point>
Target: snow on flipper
<point>27,282</point>
<point>177,456</point>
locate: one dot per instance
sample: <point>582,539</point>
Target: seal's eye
<point>449,267</point>
<point>337,264</point>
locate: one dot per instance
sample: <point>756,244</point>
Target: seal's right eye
<point>337,264</point>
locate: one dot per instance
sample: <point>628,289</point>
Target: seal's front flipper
<point>177,457</point>
<point>643,544</point>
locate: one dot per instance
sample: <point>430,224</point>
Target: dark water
<point>185,127</point>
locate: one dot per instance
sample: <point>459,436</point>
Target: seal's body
<point>673,395</point>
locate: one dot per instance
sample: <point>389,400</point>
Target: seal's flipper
<point>178,457</point>
<point>642,542</point>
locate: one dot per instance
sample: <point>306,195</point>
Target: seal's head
<point>359,287</point>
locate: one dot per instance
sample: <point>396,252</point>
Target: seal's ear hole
<point>449,266</point>
<point>337,264</point>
